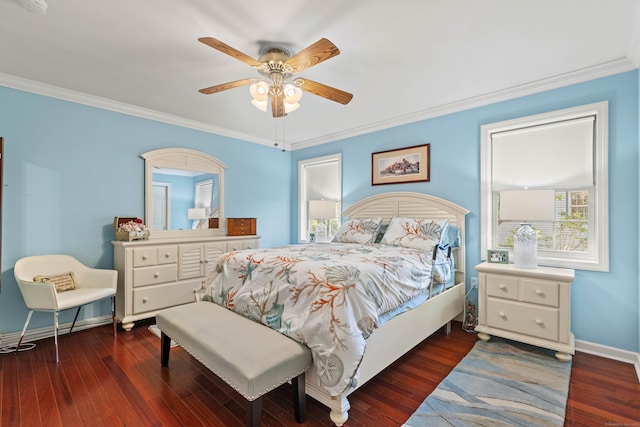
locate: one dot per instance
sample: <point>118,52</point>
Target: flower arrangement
<point>133,225</point>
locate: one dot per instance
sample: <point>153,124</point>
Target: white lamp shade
<point>527,205</point>
<point>197,213</point>
<point>259,90</point>
<point>322,209</point>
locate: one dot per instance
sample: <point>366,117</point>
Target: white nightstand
<point>530,305</point>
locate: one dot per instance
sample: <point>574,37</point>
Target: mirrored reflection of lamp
<point>322,210</point>
<point>197,214</point>
<point>525,206</point>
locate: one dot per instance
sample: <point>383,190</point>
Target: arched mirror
<point>184,193</point>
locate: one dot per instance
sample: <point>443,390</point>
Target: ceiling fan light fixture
<point>292,93</point>
<point>259,91</point>
<point>260,105</point>
<point>289,107</point>
<point>38,7</point>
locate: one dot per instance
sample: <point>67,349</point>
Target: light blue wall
<point>605,306</point>
<point>69,169</point>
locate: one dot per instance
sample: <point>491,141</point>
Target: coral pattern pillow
<point>358,231</point>
<point>414,233</point>
<point>62,282</point>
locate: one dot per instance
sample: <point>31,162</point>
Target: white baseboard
<point>610,353</point>
<point>11,339</point>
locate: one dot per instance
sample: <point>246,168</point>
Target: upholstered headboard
<point>414,205</point>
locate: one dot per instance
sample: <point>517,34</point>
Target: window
<point>319,178</point>
<point>565,151</point>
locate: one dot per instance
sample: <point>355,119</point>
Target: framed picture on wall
<point>410,164</point>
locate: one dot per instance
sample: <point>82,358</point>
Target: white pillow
<point>358,231</point>
<point>414,233</point>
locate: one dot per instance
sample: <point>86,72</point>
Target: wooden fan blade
<point>325,91</point>
<point>225,86</point>
<point>277,105</point>
<point>318,52</point>
<point>225,48</point>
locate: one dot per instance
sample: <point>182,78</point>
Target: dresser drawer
<point>158,297</point>
<point>540,292</point>
<point>145,276</point>
<point>241,226</point>
<point>541,322</point>
<point>167,254</point>
<point>144,256</point>
<point>502,286</point>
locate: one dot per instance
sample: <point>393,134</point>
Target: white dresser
<point>160,273</point>
<point>530,305</point>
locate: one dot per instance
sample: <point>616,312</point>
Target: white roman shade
<point>555,155</point>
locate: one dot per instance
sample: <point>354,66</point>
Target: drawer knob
<point>144,257</point>
<point>167,255</point>
<point>539,292</point>
<point>502,314</point>
<point>144,300</point>
<point>539,322</point>
<point>502,287</point>
<point>156,275</point>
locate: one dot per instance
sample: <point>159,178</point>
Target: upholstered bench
<point>250,357</point>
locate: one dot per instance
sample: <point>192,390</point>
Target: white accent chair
<point>91,285</point>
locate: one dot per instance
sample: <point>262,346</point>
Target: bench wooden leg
<point>299,397</point>
<point>165,347</point>
<point>254,414</point>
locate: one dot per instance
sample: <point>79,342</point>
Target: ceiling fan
<point>277,67</point>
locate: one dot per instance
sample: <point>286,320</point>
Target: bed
<point>397,252</point>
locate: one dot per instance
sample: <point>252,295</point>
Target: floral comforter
<point>326,296</point>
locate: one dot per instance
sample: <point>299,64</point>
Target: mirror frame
<point>184,159</point>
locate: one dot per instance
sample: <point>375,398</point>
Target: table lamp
<point>322,210</point>
<point>525,206</point>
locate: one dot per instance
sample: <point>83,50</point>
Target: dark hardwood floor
<point>107,381</point>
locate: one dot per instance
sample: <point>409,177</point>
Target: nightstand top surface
<point>552,273</point>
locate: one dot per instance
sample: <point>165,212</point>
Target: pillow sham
<point>358,231</point>
<point>414,233</point>
<point>62,282</point>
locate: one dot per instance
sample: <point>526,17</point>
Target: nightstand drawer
<point>156,274</point>
<point>541,322</point>
<point>540,292</point>
<point>502,286</point>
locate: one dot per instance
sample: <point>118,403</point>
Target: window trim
<point>598,260</point>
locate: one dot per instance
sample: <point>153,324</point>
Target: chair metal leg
<point>74,319</point>
<point>24,329</point>
<point>113,315</point>
<point>55,331</point>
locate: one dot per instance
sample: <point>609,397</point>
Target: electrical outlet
<point>474,282</point>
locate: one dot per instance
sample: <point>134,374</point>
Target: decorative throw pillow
<point>414,233</point>
<point>62,282</point>
<point>381,231</point>
<point>358,231</point>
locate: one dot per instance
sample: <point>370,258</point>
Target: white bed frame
<point>403,332</point>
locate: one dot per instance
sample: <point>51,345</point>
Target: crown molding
<point>38,88</point>
<point>602,70</point>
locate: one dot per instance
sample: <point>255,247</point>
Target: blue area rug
<point>499,383</point>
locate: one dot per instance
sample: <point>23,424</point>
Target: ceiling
<point>403,61</point>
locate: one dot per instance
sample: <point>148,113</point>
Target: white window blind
<point>555,155</point>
